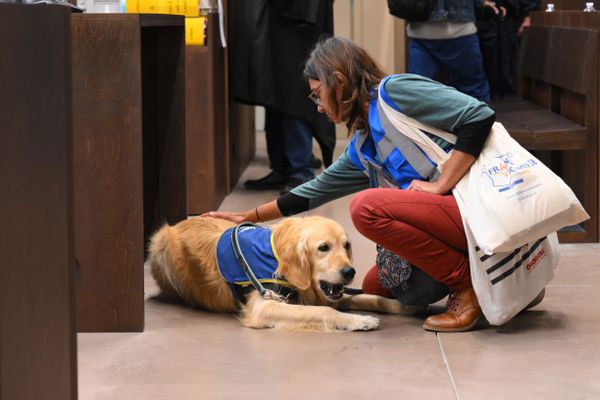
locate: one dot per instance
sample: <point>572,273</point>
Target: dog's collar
<point>285,291</point>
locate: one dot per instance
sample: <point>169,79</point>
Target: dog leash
<point>266,294</point>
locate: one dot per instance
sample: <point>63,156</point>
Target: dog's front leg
<point>260,313</point>
<point>370,302</point>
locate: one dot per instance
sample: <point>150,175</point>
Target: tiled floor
<point>550,352</point>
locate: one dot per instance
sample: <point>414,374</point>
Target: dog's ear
<point>294,262</point>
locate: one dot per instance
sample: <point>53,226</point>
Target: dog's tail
<point>164,252</point>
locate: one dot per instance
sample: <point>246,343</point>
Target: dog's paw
<point>361,323</point>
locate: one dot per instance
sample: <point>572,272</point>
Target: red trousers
<point>423,228</point>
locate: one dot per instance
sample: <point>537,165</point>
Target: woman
<point>422,223</point>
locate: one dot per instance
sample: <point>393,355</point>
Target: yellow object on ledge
<point>194,31</point>
<point>189,8</point>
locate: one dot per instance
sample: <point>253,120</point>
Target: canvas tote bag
<point>505,283</point>
<point>509,198</point>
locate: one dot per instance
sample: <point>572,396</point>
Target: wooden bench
<point>556,116</point>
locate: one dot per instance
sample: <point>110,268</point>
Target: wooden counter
<point>129,156</point>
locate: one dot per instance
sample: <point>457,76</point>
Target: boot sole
<point>538,299</point>
<point>458,329</point>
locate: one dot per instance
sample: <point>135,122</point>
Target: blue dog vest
<point>256,243</point>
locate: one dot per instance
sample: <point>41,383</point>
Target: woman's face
<point>319,96</point>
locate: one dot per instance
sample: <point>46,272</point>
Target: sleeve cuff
<point>291,204</point>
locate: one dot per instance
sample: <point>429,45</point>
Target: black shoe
<point>275,180</point>
<point>315,162</point>
<point>290,184</point>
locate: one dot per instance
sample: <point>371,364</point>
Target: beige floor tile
<point>190,354</point>
<point>579,266</point>
<point>549,352</point>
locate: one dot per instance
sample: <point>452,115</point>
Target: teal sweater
<point>418,97</point>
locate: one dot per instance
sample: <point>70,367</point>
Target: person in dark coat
<point>269,43</point>
<point>498,38</point>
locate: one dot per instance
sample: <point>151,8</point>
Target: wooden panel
<point>572,107</point>
<point>129,151</point>
<point>591,21</point>
<point>220,133</point>
<point>163,124</point>
<point>558,69</point>
<point>560,5</point>
<point>206,124</point>
<point>574,72</point>
<point>108,173</point>
<point>567,19</point>
<point>242,139</point>
<point>38,357</point>
<point>540,93</point>
<point>542,129</point>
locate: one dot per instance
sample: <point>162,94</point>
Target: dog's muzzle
<point>335,291</point>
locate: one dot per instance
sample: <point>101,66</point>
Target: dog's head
<point>314,251</point>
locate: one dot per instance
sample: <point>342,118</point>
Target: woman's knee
<point>361,209</point>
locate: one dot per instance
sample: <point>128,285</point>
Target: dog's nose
<point>348,273</point>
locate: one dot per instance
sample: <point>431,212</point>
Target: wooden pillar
<point>38,353</point>
<point>129,156</point>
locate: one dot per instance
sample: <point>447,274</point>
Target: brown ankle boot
<point>462,314</point>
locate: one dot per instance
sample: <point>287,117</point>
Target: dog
<point>313,261</point>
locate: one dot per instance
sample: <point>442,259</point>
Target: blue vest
<point>258,249</point>
<point>385,155</point>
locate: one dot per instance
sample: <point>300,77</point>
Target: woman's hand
<point>493,6</point>
<point>424,186</point>
<point>262,213</point>
<point>236,217</point>
<point>526,24</point>
<point>453,170</point>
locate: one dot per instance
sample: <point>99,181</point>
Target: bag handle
<point>414,130</point>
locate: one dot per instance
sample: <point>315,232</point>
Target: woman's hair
<point>358,72</point>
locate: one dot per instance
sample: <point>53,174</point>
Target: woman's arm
<point>445,108</point>
<point>338,180</point>
<point>433,102</point>
<point>262,213</point>
<point>341,179</point>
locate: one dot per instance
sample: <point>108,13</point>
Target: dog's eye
<point>324,247</point>
<point>347,246</point>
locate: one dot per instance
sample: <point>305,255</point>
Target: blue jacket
<point>386,152</point>
<point>455,10</point>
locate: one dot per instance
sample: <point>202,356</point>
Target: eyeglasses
<point>314,97</point>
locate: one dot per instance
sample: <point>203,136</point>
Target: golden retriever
<point>314,256</point>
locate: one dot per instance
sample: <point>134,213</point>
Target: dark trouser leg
<point>297,139</point>
<point>422,289</point>
<point>274,131</point>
